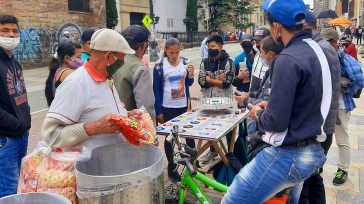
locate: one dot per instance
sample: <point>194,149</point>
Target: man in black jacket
<point>14,108</point>
<point>294,116</point>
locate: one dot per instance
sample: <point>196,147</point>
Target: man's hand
<point>253,111</point>
<point>191,70</point>
<point>240,99</point>
<point>263,104</point>
<point>208,79</point>
<point>222,77</point>
<point>160,118</point>
<point>243,74</point>
<point>135,113</point>
<point>103,126</point>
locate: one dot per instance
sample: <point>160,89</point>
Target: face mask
<point>248,48</point>
<point>112,68</point>
<point>76,63</point>
<point>213,52</point>
<point>9,43</point>
<point>258,47</point>
<point>264,61</point>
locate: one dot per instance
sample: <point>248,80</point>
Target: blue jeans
<point>273,170</point>
<point>12,151</point>
<point>252,126</point>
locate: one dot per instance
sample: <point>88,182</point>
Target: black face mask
<point>112,68</point>
<point>247,48</point>
<point>213,52</point>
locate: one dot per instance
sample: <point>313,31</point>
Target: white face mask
<point>9,43</point>
<point>264,62</point>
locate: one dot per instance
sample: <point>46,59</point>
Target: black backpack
<point>341,58</point>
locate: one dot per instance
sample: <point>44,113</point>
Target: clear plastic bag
<point>51,170</point>
<point>138,130</point>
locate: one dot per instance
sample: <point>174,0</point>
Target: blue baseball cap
<point>285,11</point>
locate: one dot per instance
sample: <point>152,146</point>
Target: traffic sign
<point>147,21</point>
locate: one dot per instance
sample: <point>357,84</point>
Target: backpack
<point>341,58</point>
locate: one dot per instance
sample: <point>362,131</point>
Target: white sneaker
<point>208,157</point>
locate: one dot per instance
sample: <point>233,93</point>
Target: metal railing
<point>192,38</point>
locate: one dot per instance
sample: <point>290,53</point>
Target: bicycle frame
<point>189,182</point>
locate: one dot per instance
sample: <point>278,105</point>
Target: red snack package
<point>137,130</point>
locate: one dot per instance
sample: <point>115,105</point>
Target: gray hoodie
<point>334,64</point>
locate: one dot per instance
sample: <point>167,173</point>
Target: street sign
<point>147,21</point>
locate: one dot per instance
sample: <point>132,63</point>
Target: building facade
<point>42,23</point>
<point>171,14</point>
<point>132,12</point>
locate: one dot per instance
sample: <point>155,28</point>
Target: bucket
<point>121,173</point>
<point>34,198</point>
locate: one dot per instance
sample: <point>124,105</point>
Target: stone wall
<point>42,22</point>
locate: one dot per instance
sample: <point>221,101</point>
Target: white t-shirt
<point>174,95</point>
<point>85,96</point>
<point>259,69</point>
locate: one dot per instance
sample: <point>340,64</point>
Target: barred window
<point>79,5</point>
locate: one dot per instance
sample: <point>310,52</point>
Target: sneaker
<point>340,177</point>
<point>208,157</point>
<point>173,173</point>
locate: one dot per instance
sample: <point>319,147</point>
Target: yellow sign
<point>147,21</point>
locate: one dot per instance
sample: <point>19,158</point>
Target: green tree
<point>111,14</point>
<point>191,14</point>
<point>233,12</point>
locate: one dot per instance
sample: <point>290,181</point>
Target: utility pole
<point>153,54</point>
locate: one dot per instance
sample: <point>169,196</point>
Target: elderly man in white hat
<point>84,103</point>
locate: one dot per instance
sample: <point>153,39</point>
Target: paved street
<point>351,192</point>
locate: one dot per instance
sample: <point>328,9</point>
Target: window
<point>79,5</point>
<point>136,18</point>
<point>171,22</point>
<point>168,22</point>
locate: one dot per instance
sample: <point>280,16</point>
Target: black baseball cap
<point>261,33</point>
<point>216,38</point>
<point>136,33</point>
<point>246,38</point>
<point>87,34</point>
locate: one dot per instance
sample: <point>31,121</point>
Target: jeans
<point>273,170</point>
<point>252,126</point>
<point>342,140</point>
<point>313,190</point>
<point>12,151</point>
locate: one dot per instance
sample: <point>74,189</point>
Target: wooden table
<point>208,126</point>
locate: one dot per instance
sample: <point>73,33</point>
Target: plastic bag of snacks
<point>50,170</point>
<point>138,130</point>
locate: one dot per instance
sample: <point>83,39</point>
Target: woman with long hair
<point>64,62</point>
<point>172,77</point>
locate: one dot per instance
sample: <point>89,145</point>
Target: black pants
<point>170,113</point>
<point>358,39</point>
<point>313,191</point>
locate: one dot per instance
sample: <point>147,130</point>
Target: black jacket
<point>14,109</point>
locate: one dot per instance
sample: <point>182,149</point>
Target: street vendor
<point>84,103</point>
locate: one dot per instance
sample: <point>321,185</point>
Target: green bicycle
<point>190,175</point>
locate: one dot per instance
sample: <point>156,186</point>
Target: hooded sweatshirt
<point>14,108</point>
<point>214,68</point>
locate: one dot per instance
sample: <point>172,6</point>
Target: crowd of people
<point>299,85</point>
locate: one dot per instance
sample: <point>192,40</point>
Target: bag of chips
<point>50,170</point>
<point>138,130</point>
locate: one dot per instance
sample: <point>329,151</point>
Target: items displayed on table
<point>216,103</point>
<point>198,125</point>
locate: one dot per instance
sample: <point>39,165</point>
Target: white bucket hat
<point>110,41</point>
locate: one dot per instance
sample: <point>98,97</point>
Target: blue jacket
<point>158,85</point>
<point>294,107</point>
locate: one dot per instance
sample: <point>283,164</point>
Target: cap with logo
<point>261,33</point>
<point>110,40</point>
<point>136,33</point>
<point>285,11</point>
